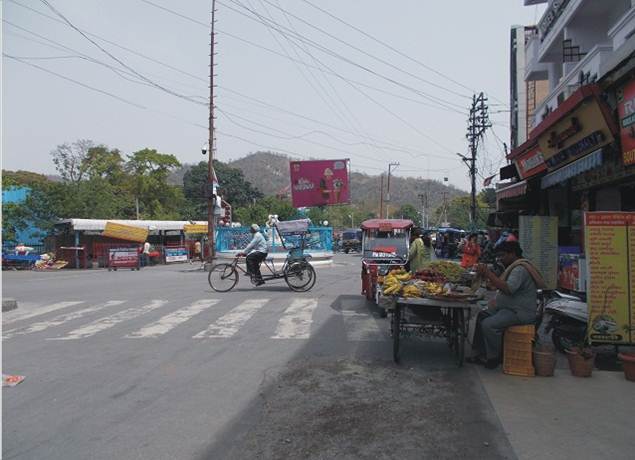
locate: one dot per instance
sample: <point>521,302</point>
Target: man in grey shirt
<point>256,252</point>
<point>515,302</point>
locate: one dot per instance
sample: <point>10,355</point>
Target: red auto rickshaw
<point>385,245</point>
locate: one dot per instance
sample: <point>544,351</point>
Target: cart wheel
<point>459,334</point>
<point>395,329</point>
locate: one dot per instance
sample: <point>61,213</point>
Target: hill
<point>269,172</point>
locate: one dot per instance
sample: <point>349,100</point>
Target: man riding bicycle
<point>256,252</point>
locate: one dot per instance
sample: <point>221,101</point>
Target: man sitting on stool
<point>515,302</point>
<point>256,252</point>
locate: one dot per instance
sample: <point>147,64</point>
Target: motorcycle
<point>565,318</point>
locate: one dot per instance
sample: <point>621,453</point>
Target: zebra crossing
<point>295,320</point>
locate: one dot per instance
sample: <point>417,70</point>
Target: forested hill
<point>269,172</point>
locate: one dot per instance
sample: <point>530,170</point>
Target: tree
<point>14,220</point>
<point>21,178</point>
<point>102,163</point>
<point>70,160</point>
<point>408,211</point>
<point>148,172</point>
<point>259,211</point>
<point>459,212</point>
<point>233,187</point>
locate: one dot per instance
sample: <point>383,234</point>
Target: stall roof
<point>100,224</point>
<point>394,224</point>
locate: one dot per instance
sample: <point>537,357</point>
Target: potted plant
<point>581,359</point>
<point>544,359</point>
<point>628,364</point>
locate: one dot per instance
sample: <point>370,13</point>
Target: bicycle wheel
<point>222,277</point>
<point>300,276</point>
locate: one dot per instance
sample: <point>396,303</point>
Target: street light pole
<point>390,165</point>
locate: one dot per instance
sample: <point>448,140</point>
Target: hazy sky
<point>338,96</point>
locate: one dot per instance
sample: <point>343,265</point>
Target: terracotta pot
<point>628,364</point>
<point>579,365</point>
<point>544,362</point>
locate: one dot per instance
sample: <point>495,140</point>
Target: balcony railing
<point>580,73</point>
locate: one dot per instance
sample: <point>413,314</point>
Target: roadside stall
<point>435,302</point>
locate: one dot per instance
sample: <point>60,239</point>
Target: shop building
<point>579,154</point>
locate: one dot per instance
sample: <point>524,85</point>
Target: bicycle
<point>297,272</point>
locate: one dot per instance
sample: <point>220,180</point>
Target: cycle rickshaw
<point>296,270</point>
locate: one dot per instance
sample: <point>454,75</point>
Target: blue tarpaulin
<point>592,160</point>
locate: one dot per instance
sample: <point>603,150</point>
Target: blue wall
<point>234,239</point>
<point>31,235</point>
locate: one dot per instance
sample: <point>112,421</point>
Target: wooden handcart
<point>431,317</point>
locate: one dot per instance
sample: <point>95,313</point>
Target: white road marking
<point>296,321</point>
<point>107,322</point>
<point>41,311</point>
<point>228,324</point>
<point>61,319</point>
<point>170,321</point>
<point>362,328</point>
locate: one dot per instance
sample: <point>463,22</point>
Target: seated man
<point>515,302</point>
<point>256,252</point>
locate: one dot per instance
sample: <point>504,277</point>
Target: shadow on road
<point>347,400</point>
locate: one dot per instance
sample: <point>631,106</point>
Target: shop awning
<point>592,160</point>
<point>517,189</point>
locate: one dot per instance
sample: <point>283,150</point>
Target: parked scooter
<point>565,317</point>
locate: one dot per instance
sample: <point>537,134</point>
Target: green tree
<point>458,212</point>
<point>408,211</point>
<point>70,160</point>
<point>148,172</point>
<point>14,219</point>
<point>21,178</point>
<point>102,163</point>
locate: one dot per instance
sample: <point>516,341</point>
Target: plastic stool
<point>517,350</point>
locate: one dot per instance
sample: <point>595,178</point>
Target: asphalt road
<point>155,365</point>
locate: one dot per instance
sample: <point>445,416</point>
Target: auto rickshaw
<point>385,245</point>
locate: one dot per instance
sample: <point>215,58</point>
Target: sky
<point>373,81</point>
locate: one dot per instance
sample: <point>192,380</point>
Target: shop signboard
<point>175,254</point>
<point>126,232</point>
<point>538,237</point>
<point>530,163</point>
<point>582,131</point>
<point>195,228</point>
<point>626,113</point>
<point>123,258</point>
<point>610,251</point>
<point>319,183</point>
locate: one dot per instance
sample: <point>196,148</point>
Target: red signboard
<point>626,114</point>
<point>530,163</point>
<point>319,183</point>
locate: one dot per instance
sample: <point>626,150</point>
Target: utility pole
<point>423,198</point>
<point>381,196</point>
<point>478,122</point>
<point>390,165</point>
<point>211,196</point>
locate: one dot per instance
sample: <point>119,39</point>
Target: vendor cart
<point>431,317</point>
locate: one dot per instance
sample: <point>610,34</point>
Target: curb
<point>9,304</point>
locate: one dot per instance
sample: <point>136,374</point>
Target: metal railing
<point>318,239</point>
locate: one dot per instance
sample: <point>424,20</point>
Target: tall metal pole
<point>381,196</point>
<point>390,165</point>
<point>210,166</point>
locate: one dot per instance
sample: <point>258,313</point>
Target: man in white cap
<point>256,252</point>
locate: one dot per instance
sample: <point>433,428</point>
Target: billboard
<point>626,113</point>
<point>319,183</point>
<point>123,257</point>
<point>175,254</point>
<point>125,232</point>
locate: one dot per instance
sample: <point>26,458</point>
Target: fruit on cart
<point>411,290</point>
<point>449,270</point>
<point>431,288</point>
<point>392,289</point>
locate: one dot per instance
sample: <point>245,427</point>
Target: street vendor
<point>418,254</point>
<point>471,252</point>
<point>514,304</point>
<point>256,252</point>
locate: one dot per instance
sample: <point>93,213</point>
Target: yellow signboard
<point>609,246</point>
<point>579,133</point>
<point>126,232</point>
<point>195,228</point>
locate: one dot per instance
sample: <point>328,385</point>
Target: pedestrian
<point>418,254</point>
<point>471,252</point>
<point>256,251</point>
<point>145,256</point>
<point>515,303</point>
<point>198,254</point>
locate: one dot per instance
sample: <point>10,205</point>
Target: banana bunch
<point>392,285</point>
<point>411,291</point>
<point>432,288</point>
<point>401,274</point>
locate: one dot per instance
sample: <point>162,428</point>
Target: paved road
<point>155,365</point>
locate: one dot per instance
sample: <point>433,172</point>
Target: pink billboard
<point>319,183</point>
